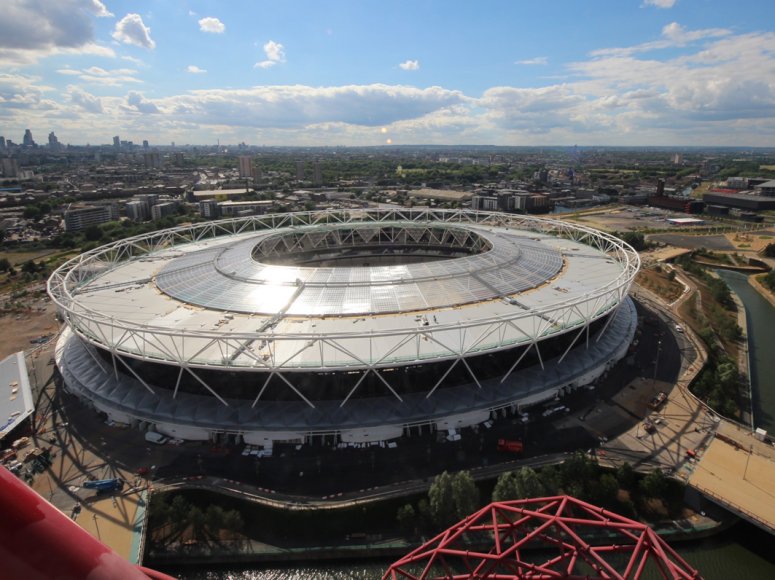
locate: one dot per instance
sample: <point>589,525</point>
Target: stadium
<point>351,326</point>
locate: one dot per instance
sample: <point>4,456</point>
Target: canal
<point>760,316</point>
<point>742,551</point>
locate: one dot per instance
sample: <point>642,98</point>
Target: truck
<point>510,445</point>
<point>114,484</point>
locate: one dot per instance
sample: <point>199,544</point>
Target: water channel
<point>760,316</point>
<point>743,551</point>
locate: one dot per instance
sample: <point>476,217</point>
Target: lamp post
<point>747,459</point>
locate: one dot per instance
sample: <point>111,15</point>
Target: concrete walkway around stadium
<point>718,457</point>
<point>737,471</point>
<point>115,519</point>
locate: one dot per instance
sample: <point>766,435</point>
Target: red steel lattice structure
<point>552,537</point>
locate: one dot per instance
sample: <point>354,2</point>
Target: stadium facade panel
<point>356,324</point>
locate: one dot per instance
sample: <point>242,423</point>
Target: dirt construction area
<point>20,328</point>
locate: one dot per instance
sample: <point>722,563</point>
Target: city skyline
<point>646,72</point>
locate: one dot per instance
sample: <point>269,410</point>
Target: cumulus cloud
<point>137,103</point>
<point>99,9</point>
<point>301,106</point>
<point>535,109</point>
<point>212,25</point>
<point>83,100</point>
<point>275,54</point>
<point>33,29</point>
<point>539,60</point>
<point>101,76</point>
<point>193,69</point>
<point>410,65</point>
<point>659,3</point>
<point>132,30</point>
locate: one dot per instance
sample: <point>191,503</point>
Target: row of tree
<point>452,497</point>
<point>175,520</point>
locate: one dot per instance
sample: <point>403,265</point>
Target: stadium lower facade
<point>355,325</point>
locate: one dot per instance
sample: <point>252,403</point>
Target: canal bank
<point>742,551</point>
<point>760,322</point>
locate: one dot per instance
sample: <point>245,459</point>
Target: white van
<point>154,437</point>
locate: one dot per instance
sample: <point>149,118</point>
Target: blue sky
<point>370,72</point>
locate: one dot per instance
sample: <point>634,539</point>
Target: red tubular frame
<point>542,538</point>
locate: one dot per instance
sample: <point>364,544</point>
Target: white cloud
<point>137,103</point>
<point>275,54</point>
<point>133,60</point>
<point>410,65</point>
<point>132,30</point>
<point>673,35</point>
<point>193,69</point>
<point>83,100</point>
<point>101,76</point>
<point>99,9</point>
<point>539,60</point>
<point>212,25</point>
<point>33,29</point>
<point>299,106</point>
<point>659,3</point>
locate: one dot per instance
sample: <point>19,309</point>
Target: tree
<point>606,490</point>
<point>440,500</point>
<point>29,267</point>
<point>93,233</point>
<point>505,487</point>
<point>214,518</point>
<point>636,239</point>
<point>407,518</point>
<point>465,494</point>
<point>5,265</point>
<point>232,522</point>
<point>654,484</point>
<point>577,474</point>
<point>452,497</point>
<point>522,484</point>
<point>626,476</point>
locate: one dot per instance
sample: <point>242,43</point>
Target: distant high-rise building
<point>300,170</point>
<point>53,142</point>
<point>163,209</point>
<point>137,210</point>
<point>117,142</point>
<point>2,142</point>
<point>81,218</point>
<point>10,166</point>
<point>209,208</point>
<point>317,174</point>
<point>245,166</point>
<point>152,160</point>
<point>150,198</point>
<point>145,143</point>
<point>28,141</point>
